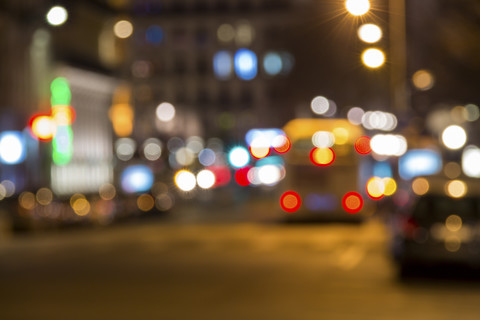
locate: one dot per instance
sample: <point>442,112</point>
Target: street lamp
<point>357,7</point>
<point>373,58</point>
<point>369,33</point>
<point>57,16</point>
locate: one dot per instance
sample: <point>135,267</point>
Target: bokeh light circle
<point>123,29</point>
<point>281,144</point>
<point>375,188</point>
<point>206,179</point>
<point>454,137</point>
<point>185,180</point>
<point>165,112</point>
<point>373,58</point>
<point>290,201</point>
<point>456,188</point>
<point>420,186</point>
<point>57,16</point>
<point>357,7</point>
<point>352,202</point>
<point>369,33</point>
<point>238,157</point>
<point>320,105</point>
<point>322,156</point>
<point>362,145</point>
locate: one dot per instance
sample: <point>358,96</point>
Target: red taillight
<point>290,201</point>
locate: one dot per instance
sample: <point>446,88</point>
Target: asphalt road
<point>165,270</point>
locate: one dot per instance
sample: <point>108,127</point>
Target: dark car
<point>438,229</point>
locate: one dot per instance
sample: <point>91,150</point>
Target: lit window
<point>245,63</point>
<point>222,65</point>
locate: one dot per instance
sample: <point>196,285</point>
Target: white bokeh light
<point>205,179</point>
<point>12,148</point>
<point>57,16</point>
<point>355,115</point>
<point>152,149</point>
<point>323,139</point>
<point>471,161</point>
<point>369,33</point>
<point>239,157</point>
<point>185,180</point>
<point>454,137</point>
<point>269,174</point>
<point>320,105</point>
<point>165,112</point>
<point>123,29</point>
<point>373,58</point>
<point>389,144</point>
<point>357,7</point>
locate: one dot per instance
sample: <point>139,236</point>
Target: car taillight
<point>410,227</point>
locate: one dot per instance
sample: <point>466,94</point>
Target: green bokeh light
<point>61,94</point>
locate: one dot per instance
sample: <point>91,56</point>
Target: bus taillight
<point>290,201</point>
<point>352,202</point>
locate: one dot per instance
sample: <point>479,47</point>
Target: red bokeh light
<point>222,175</point>
<point>290,201</point>
<point>352,202</point>
<point>241,176</point>
<point>362,145</point>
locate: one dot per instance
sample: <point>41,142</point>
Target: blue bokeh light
<point>223,65</point>
<point>245,63</point>
<point>419,162</point>
<point>268,134</point>
<point>272,63</point>
<point>154,34</point>
<point>137,178</point>
<point>382,169</point>
<point>12,147</point>
<point>207,157</point>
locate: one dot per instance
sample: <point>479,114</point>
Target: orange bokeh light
<point>281,144</point>
<point>43,127</point>
<point>63,115</point>
<point>362,145</point>
<point>290,201</point>
<point>352,202</point>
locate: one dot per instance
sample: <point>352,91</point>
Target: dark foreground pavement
<point>219,271</point>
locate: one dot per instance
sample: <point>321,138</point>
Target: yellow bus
<point>324,175</point>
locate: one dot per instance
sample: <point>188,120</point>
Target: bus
<point>325,177</point>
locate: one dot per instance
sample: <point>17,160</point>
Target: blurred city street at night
<point>225,159</point>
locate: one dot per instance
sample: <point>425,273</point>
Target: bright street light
<point>373,58</point>
<point>454,137</point>
<point>369,33</point>
<point>357,7</point>
<point>57,16</point>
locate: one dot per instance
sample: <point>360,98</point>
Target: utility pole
<point>398,57</point>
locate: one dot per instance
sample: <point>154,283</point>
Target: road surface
<point>164,270</point>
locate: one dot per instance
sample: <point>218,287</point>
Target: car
<point>438,228</point>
